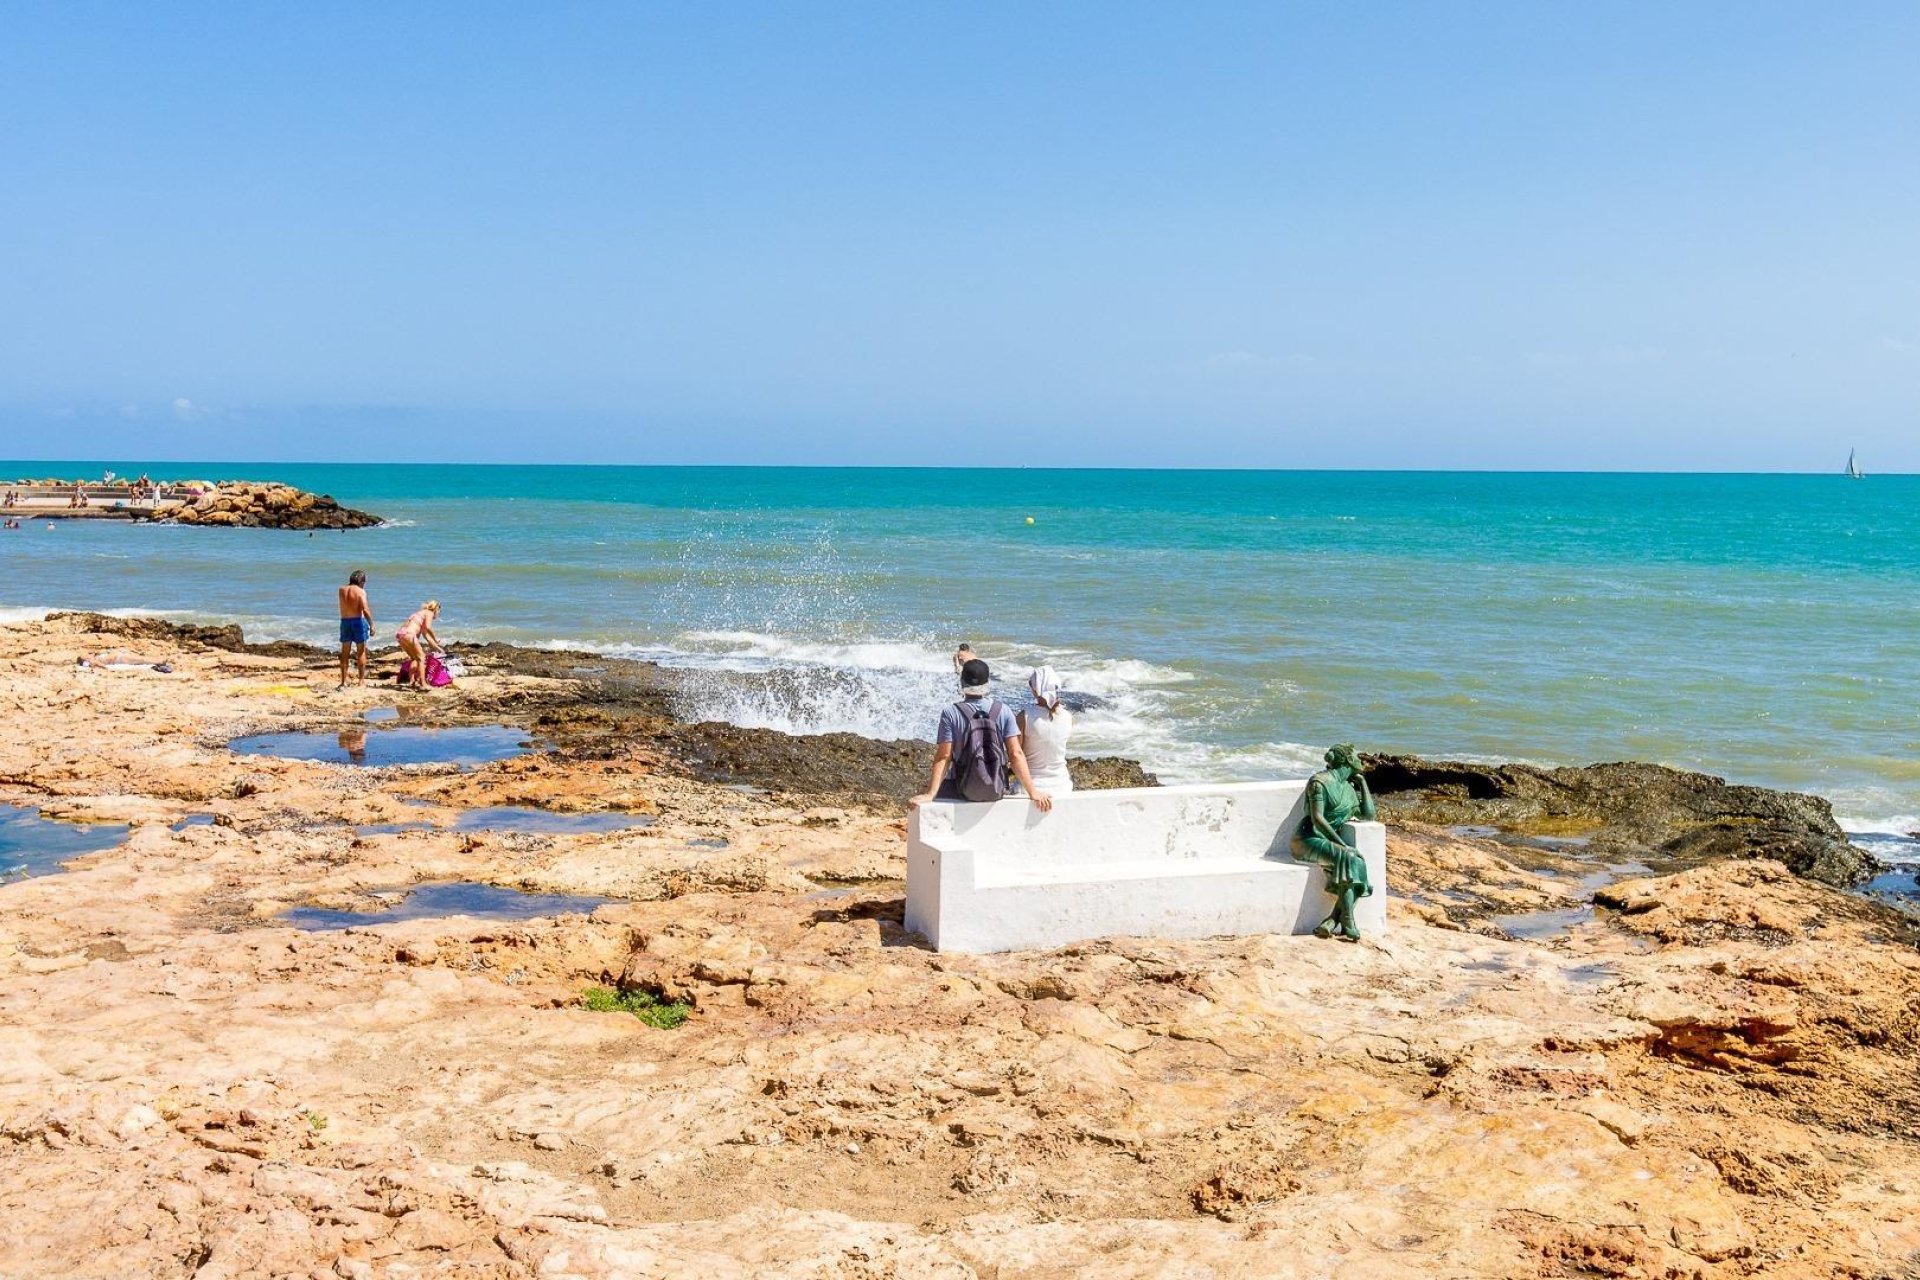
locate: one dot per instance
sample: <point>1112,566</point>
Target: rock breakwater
<point>247,505</point>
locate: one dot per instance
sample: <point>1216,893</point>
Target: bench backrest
<point>1135,824</point>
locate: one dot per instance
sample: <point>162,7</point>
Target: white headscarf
<point>1045,683</point>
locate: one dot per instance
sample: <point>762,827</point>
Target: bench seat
<point>1167,862</point>
<point>1096,873</point>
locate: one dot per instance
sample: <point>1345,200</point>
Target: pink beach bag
<point>437,674</point>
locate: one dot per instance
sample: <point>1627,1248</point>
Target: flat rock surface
<point>1710,1073</point>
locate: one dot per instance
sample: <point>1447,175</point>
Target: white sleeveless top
<point>1045,742</point>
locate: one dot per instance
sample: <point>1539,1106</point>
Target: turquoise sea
<point>1231,623</point>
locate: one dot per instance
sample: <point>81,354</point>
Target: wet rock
<point>1105,773</point>
<point>1632,809</point>
<point>156,629</point>
<point>840,765</point>
<point>846,766</point>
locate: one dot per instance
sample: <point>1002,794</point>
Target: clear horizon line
<point>873,466</point>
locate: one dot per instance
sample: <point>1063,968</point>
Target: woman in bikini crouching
<point>417,627</point>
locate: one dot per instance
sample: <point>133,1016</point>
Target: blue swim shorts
<point>353,630</point>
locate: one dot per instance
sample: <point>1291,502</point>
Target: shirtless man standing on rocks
<point>356,623</point>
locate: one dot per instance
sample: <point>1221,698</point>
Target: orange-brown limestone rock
<point>1714,1076</point>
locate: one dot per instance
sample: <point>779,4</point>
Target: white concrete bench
<point>1165,862</point>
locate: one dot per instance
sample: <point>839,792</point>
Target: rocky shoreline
<point>1707,1069</point>
<point>597,705</point>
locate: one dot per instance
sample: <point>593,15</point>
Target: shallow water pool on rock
<point>31,845</point>
<point>447,898</point>
<point>467,746</point>
<point>1539,926</point>
<point>545,822</point>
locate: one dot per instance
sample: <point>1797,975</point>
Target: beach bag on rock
<point>405,675</point>
<point>980,755</point>
<point>437,674</point>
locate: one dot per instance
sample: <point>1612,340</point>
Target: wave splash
<point>885,688</point>
<point>894,688</point>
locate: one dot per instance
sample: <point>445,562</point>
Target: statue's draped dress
<point>1345,868</point>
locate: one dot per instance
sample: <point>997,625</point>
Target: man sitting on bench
<point>979,738</point>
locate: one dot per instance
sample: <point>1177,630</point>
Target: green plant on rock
<point>644,1005</point>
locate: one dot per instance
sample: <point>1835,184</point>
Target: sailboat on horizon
<point>1853,467</point>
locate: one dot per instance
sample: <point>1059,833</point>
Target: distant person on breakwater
<point>978,740</point>
<point>418,627</point>
<point>1044,730</point>
<point>356,623</point>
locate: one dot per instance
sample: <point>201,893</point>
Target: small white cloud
<point>186,410</point>
<point>129,410</point>
<point>1901,345</point>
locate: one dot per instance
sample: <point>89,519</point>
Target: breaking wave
<point>894,688</point>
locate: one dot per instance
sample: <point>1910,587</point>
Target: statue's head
<point>1343,756</point>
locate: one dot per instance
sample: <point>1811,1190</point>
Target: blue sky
<point>1414,235</point>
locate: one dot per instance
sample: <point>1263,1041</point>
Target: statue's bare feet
<point>1327,928</point>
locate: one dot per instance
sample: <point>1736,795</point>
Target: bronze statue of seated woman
<point>1336,797</point>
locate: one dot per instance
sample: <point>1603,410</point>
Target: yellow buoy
<point>1029,519</point>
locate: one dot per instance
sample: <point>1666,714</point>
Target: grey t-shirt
<point>953,722</point>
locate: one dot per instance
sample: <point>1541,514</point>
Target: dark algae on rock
<point>844,765</point>
<point>1626,809</point>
